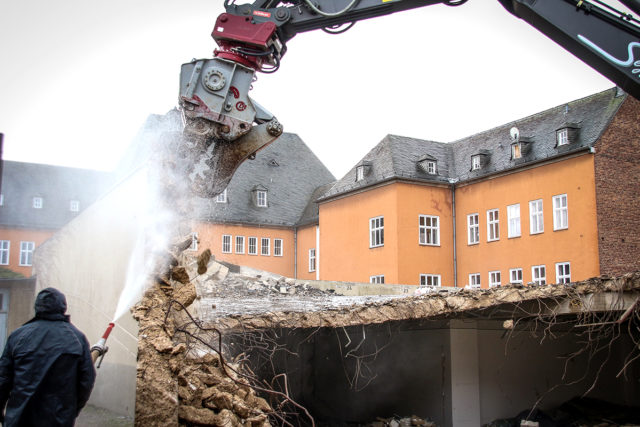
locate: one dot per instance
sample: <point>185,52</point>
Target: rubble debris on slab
<point>413,420</point>
<point>584,412</point>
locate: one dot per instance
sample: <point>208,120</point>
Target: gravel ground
<point>92,416</point>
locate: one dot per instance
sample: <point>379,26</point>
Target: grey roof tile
<point>57,186</point>
<point>287,169</point>
<point>396,157</point>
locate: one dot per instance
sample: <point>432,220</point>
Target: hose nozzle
<point>100,348</point>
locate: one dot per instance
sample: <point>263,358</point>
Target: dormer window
<point>520,148</point>
<point>516,150</point>
<point>431,167</point>
<point>261,198</point>
<point>562,136</point>
<point>37,203</point>
<point>428,164</point>
<point>259,194</point>
<point>362,169</point>
<point>567,134</point>
<point>476,162</point>
<point>222,197</point>
<point>74,206</point>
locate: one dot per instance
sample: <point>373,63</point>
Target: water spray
<point>100,348</point>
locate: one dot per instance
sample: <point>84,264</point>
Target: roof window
<point>362,169</point>
<point>37,202</point>
<point>428,164</point>
<point>222,197</point>
<point>480,159</point>
<point>520,145</point>
<point>567,134</point>
<point>476,162</point>
<point>259,194</point>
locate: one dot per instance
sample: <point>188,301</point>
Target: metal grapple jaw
<point>223,126</point>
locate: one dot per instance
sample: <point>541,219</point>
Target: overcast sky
<point>79,77</point>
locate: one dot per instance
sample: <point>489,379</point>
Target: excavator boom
<point>224,126</point>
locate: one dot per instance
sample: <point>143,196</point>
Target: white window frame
<point>563,272</point>
<point>513,221</point>
<point>312,260</point>
<point>74,205</point>
<point>515,275</point>
<point>495,278</point>
<point>1,199</point>
<point>359,173</point>
<point>539,275</point>
<point>264,240</point>
<point>240,244</point>
<point>562,136</point>
<point>261,198</point>
<point>37,202</point>
<point>376,232</point>
<point>536,216</point>
<point>428,233</point>
<point>377,279</point>
<point>252,245</point>
<point>560,212</point>
<point>430,280</point>
<point>278,247</point>
<point>475,280</point>
<point>493,225</point>
<point>222,197</point>
<point>194,241</point>
<point>476,162</point>
<point>5,251</point>
<point>473,229</point>
<point>26,253</point>
<point>431,167</point>
<point>226,243</point>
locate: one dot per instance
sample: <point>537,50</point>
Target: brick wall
<point>617,174</point>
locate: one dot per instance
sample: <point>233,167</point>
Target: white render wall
<point>88,260</point>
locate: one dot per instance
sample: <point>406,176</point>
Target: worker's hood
<point>51,304</point>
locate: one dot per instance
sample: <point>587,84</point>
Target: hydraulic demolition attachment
<point>223,126</point>
<point>100,348</point>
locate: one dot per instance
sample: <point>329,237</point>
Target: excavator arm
<point>225,126</point>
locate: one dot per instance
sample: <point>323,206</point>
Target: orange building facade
<point>36,200</point>
<point>532,202</point>
<point>528,202</point>
<point>17,247</point>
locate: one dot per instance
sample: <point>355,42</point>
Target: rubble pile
<point>191,302</point>
<point>181,381</point>
<point>237,285</point>
<point>413,420</point>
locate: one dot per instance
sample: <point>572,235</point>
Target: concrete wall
<point>89,261</point>
<point>456,373</point>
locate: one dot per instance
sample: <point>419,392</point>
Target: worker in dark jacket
<point>46,372</point>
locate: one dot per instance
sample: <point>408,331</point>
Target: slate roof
<point>57,186</point>
<point>311,212</point>
<point>289,171</point>
<point>396,157</point>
